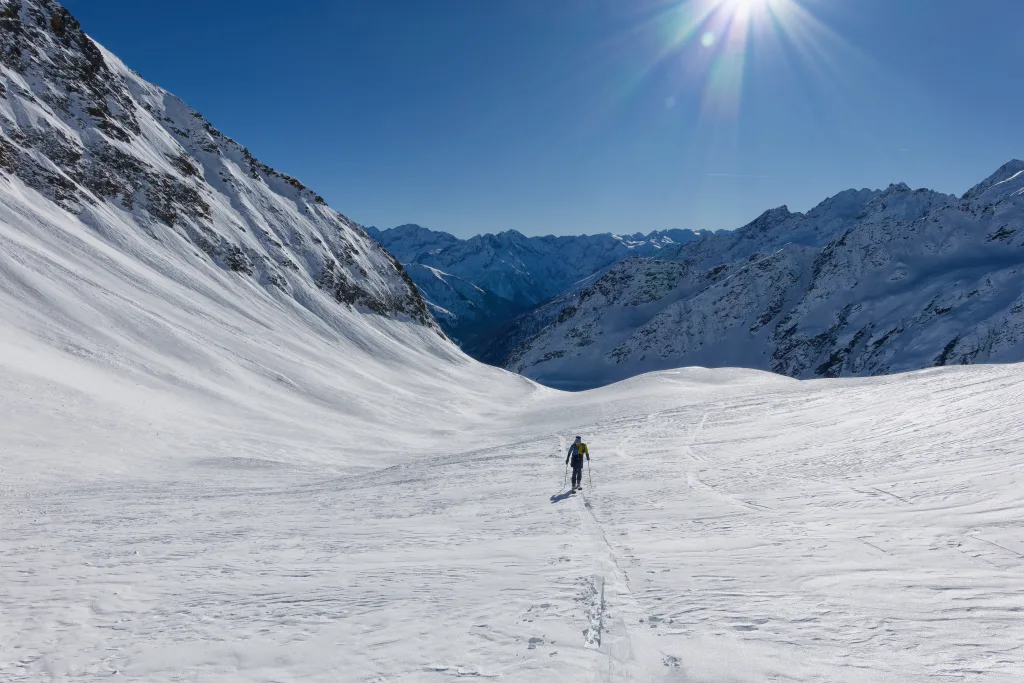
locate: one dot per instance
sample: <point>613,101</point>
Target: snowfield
<point>736,526</point>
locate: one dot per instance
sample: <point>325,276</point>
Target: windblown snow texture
<point>866,283</point>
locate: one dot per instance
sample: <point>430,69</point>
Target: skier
<point>577,450</point>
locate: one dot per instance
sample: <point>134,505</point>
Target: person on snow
<point>577,450</point>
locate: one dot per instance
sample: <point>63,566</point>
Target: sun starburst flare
<point>725,30</point>
<point>701,58</point>
<point>707,50</point>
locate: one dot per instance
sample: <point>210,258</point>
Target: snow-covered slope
<point>734,526</point>
<point>142,172</point>
<point>148,263</point>
<point>154,272</point>
<point>866,283</point>
<point>510,272</point>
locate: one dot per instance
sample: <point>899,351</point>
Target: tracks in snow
<point>694,481</point>
<point>615,615</point>
<point>617,608</point>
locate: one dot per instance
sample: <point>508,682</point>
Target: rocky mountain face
<point>867,283</point>
<point>477,287</point>
<point>141,170</point>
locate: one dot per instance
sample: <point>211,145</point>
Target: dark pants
<point>577,476</point>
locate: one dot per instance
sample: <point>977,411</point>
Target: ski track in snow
<point>756,530</point>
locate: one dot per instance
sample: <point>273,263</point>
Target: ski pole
<point>565,477</point>
<point>590,479</point>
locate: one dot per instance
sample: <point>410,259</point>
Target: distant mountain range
<point>868,282</point>
<point>475,286</point>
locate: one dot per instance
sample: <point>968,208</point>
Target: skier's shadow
<point>559,497</point>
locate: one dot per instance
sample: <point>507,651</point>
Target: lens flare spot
<point>708,39</point>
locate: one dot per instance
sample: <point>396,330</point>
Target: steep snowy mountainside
<point>511,272</point>
<point>156,276</point>
<point>135,164</point>
<point>173,363</point>
<point>866,283</point>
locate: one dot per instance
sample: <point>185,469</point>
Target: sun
<point>724,23</point>
<point>748,10</point>
<point>706,51</point>
<point>725,33</point>
<point>749,5</point>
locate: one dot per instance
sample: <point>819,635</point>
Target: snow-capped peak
<point>1005,182</point>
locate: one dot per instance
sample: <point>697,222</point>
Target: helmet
<point>579,438</point>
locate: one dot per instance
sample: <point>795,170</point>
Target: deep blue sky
<point>583,116</point>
